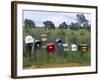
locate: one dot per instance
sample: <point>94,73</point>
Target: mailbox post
<point>50,50</point>
<point>83,48</point>
<point>73,47</point>
<point>44,40</point>
<point>59,48</point>
<point>66,49</point>
<point>73,51</point>
<point>29,41</point>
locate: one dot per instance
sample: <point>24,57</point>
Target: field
<point>58,58</point>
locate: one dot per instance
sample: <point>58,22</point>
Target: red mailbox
<point>50,47</point>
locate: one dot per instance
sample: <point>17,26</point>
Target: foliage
<point>49,25</point>
<point>83,23</point>
<point>29,23</point>
<point>74,26</point>
<point>63,26</point>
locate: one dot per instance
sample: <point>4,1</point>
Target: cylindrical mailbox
<point>58,42</point>
<point>50,47</point>
<point>83,47</point>
<point>74,47</point>
<point>29,39</point>
<point>37,44</point>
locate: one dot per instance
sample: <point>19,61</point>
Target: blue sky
<point>56,17</point>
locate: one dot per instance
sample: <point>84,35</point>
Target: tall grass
<point>42,57</point>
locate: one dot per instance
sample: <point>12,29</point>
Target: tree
<point>29,23</point>
<point>82,21</point>
<point>63,26</point>
<point>87,26</point>
<point>49,25</point>
<point>74,26</point>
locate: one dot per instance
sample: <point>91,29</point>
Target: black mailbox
<point>37,44</point>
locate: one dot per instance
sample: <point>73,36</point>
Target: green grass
<point>71,57</point>
<point>42,57</point>
<point>27,62</point>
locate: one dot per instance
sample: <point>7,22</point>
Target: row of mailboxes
<point>51,47</point>
<point>66,47</point>
<point>74,47</point>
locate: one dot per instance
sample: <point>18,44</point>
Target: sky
<point>56,17</point>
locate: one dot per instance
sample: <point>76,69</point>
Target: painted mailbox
<point>73,47</point>
<point>83,47</point>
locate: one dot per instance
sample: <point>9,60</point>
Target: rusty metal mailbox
<point>83,47</point>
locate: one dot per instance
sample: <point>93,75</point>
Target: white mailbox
<point>44,39</point>
<point>29,39</point>
<point>65,46</point>
<point>43,35</point>
<point>74,47</point>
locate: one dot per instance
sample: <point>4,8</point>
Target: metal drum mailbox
<point>73,47</point>
<point>50,48</point>
<point>29,39</point>
<point>83,47</point>
<point>58,42</point>
<point>37,44</point>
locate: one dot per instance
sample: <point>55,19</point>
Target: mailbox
<point>50,47</point>
<point>43,37</point>
<point>74,47</point>
<point>58,42</point>
<point>37,44</point>
<point>29,39</point>
<point>83,47</point>
<point>65,46</point>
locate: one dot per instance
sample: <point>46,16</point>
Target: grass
<point>45,60</point>
<point>80,58</point>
